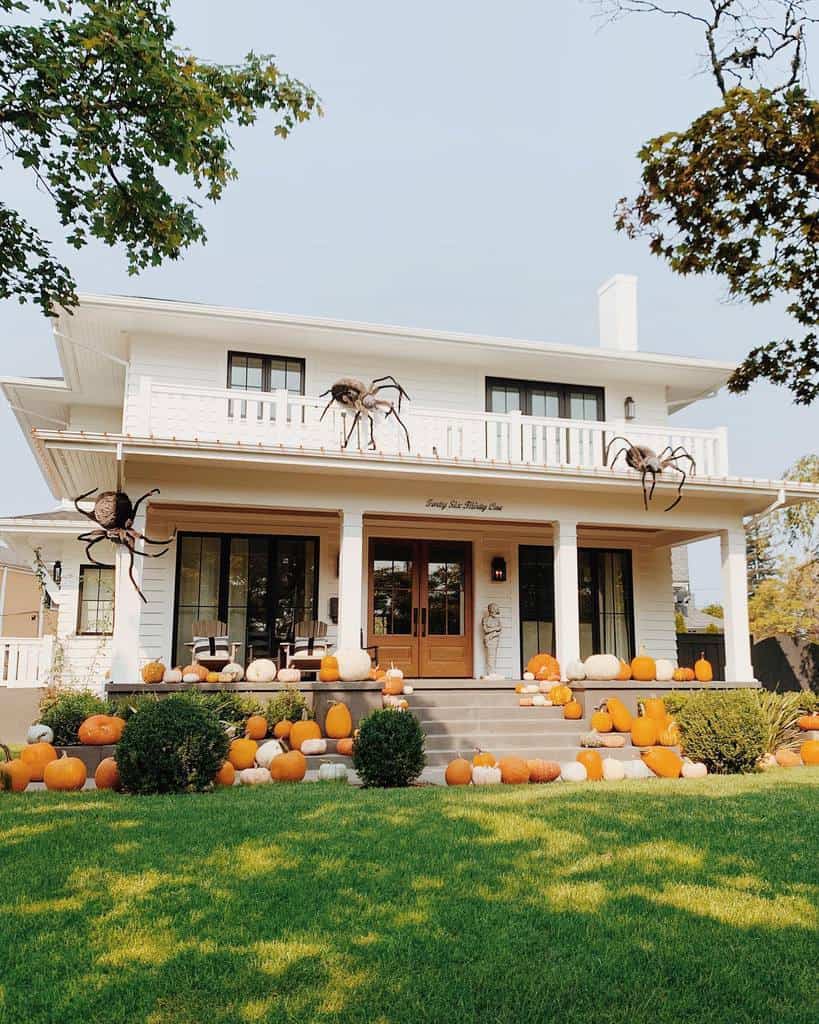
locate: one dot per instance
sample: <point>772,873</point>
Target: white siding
<point>654,602</point>
<point>79,661</point>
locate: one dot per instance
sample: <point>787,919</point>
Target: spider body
<point>647,463</point>
<point>114,515</point>
<point>365,400</point>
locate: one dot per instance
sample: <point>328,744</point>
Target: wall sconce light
<point>498,573</point>
<point>630,408</point>
<point>57,572</point>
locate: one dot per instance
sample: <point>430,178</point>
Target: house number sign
<point>463,505</point>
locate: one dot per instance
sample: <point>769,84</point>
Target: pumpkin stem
<point>6,752</point>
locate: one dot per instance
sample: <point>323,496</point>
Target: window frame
<point>631,611</point>
<point>526,387</point>
<point>267,363</point>
<point>80,586</point>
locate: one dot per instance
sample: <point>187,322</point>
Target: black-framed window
<point>250,371</point>
<point>95,603</point>
<point>536,398</point>
<point>261,585</point>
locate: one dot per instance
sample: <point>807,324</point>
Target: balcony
<point>209,415</point>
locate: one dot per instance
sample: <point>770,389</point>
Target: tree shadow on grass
<point>643,902</point>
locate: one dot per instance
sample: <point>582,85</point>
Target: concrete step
<point>464,698</point>
<point>529,718</point>
<point>549,752</point>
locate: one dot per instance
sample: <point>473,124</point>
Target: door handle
<point>423,622</point>
<point>415,622</point>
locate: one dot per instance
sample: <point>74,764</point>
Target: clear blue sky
<point>464,177</point>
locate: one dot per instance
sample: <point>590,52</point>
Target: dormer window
<point>533,398</point>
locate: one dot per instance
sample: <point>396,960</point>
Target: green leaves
<point>97,102</point>
<point>735,195</point>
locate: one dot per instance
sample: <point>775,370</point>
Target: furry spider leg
<point>620,451</point>
<point>139,501</point>
<point>394,384</point>
<point>680,453</point>
<point>610,445</point>
<point>356,418</point>
<point>90,557</point>
<point>82,497</point>
<point>326,407</point>
<point>372,436</point>
<point>653,484</point>
<point>643,482</point>
<point>149,540</point>
<point>683,478</point>
<point>392,412</point>
<point>131,572</point>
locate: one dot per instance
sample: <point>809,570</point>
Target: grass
<point>636,902</point>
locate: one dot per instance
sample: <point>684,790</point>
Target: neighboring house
<point>21,605</point>
<point>502,496</point>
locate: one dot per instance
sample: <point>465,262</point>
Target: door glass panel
<point>537,600</point>
<point>606,605</point>
<point>237,594</point>
<point>393,569</point>
<point>445,589</point>
<point>199,570</point>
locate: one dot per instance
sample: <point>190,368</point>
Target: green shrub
<point>389,749</point>
<point>725,729</point>
<point>781,712</point>
<point>232,709</point>
<point>173,746</point>
<point>64,711</point>
<point>125,707</point>
<point>290,705</point>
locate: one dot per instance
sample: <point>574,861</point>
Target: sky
<point>464,178</point>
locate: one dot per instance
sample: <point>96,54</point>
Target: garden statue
<point>492,627</point>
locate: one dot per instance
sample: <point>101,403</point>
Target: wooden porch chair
<point>305,647</point>
<point>215,659</point>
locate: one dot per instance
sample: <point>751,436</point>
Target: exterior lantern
<point>498,574</point>
<point>630,408</point>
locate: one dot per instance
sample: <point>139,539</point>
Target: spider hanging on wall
<point>363,399</point>
<point>647,462</point>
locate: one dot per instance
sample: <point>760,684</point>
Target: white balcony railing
<point>186,413</point>
<point>25,661</point>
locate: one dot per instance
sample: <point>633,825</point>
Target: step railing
<point>25,661</point>
<point>223,415</point>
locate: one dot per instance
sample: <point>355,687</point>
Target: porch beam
<point>738,668</point>
<point>567,608</point>
<point>351,579</point>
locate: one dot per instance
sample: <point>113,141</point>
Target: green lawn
<point>683,902</point>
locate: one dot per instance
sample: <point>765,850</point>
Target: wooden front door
<point>420,606</point>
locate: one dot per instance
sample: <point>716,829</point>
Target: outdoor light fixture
<point>498,574</point>
<point>630,408</point>
<point>57,572</point>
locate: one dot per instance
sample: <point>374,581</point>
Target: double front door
<point>420,611</point>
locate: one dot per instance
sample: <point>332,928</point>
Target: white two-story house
<point>504,493</point>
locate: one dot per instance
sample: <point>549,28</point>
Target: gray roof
<point>58,514</point>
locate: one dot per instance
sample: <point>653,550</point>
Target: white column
<point>735,603</point>
<point>567,609</point>
<point>351,580</point>
<point>127,611</point>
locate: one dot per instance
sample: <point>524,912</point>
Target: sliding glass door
<point>260,585</point>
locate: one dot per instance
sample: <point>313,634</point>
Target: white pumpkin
<point>254,776</point>
<point>613,770</point>
<point>486,775</point>
<point>331,772</point>
<point>694,770</point>
<point>313,747</point>
<point>262,670</point>
<point>408,690</point>
<point>191,677</point>
<point>354,666</point>
<point>664,671</point>
<point>531,688</point>
<point>602,666</point>
<point>637,769</point>
<point>767,761</point>
<point>289,675</point>
<point>233,671</point>
<point>39,733</point>
<point>575,671</point>
<point>573,771</point>
<point>267,751</point>
<point>539,701</point>
<point>612,740</point>
<point>528,676</point>
<point>172,675</point>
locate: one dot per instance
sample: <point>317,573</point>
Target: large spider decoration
<point>355,395</point>
<point>646,461</point>
<point>114,515</point>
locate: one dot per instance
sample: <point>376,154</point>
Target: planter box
<point>89,755</point>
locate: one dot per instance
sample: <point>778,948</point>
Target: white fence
<point>25,661</point>
<point>171,411</point>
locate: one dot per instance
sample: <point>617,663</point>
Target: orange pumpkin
<point>683,675</point>
<point>66,773</point>
<point>483,759</point>
<point>242,753</point>
<point>328,671</point>
<point>593,764</point>
<point>514,770</point>
<point>703,670</point>
<point>560,694</point>
<point>601,721</point>
<point>289,767</point>
<point>338,723</point>
<point>620,714</point>
<point>345,747</point>
<point>787,758</point>
<point>153,672</point>
<point>544,666</point>
<point>196,670</point>
<point>98,730</point>
<point>572,710</point>
<point>306,729</point>
<point>809,752</point>
<point>808,722</point>
<point>458,772</point>
<point>226,775</point>
<point>36,756</point>
<point>15,774</point>
<point>625,672</point>
<point>663,762</point>
<point>654,707</point>
<point>643,731</point>
<point>643,668</point>
<point>669,734</point>
<point>281,730</point>
<point>256,727</point>
<point>543,771</point>
<point>107,774</point>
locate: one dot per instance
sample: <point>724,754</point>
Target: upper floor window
<point>566,401</point>
<point>95,616</point>
<point>265,373</point>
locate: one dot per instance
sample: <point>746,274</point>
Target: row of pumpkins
<point>608,667</point>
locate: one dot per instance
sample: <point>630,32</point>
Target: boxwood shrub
<point>64,711</point>
<point>173,746</point>
<point>724,729</point>
<point>389,749</point>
